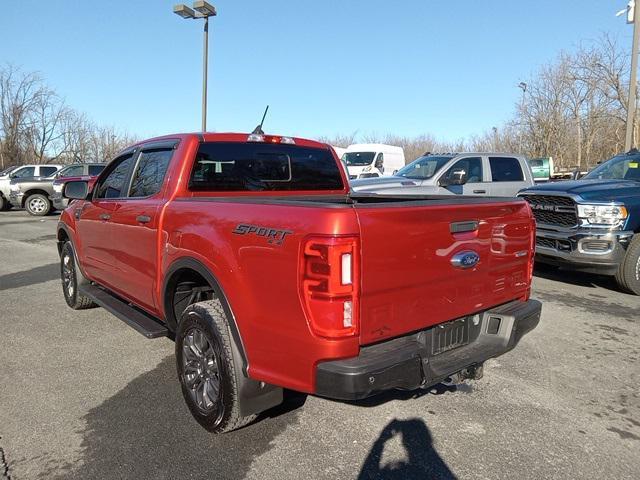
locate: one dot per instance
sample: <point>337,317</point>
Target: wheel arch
<point>253,396</point>
<point>33,191</point>
<point>171,277</point>
<point>62,236</point>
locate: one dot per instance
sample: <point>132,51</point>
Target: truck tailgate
<point>408,279</point>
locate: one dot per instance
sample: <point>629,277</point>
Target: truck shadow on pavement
<point>580,279</point>
<point>146,431</point>
<point>422,459</point>
<point>32,276</point>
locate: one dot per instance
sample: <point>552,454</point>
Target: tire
<point>69,275</point>
<point>206,369</point>
<point>4,204</point>
<point>38,205</point>
<point>628,274</point>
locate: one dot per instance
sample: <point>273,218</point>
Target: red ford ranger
<point>250,252</point>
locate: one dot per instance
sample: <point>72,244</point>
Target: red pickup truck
<point>250,252</point>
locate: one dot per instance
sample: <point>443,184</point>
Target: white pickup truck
<point>483,174</point>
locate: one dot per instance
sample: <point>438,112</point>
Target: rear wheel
<point>38,205</point>
<point>628,274</point>
<point>69,274</point>
<point>206,369</point>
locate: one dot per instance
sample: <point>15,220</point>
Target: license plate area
<point>450,335</point>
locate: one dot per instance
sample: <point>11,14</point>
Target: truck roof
<point>231,137</point>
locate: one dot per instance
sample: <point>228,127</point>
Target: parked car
<point>21,171</point>
<point>250,252</point>
<point>372,160</point>
<point>36,195</point>
<point>592,224</point>
<point>542,168</point>
<point>484,174</point>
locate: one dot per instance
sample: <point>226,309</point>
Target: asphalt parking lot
<point>84,396</point>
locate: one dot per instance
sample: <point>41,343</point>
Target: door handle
<point>143,218</point>
<point>105,216</point>
<point>479,191</point>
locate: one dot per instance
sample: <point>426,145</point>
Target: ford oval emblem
<point>466,259</point>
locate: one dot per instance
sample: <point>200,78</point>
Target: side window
<point>114,184</point>
<point>24,172</point>
<point>46,171</point>
<point>74,171</point>
<point>95,169</point>
<point>505,169</point>
<point>149,174</point>
<point>472,166</point>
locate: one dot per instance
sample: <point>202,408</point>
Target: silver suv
<point>485,174</point>
<point>21,171</point>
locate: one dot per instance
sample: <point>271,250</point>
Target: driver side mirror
<point>379,163</point>
<point>76,190</point>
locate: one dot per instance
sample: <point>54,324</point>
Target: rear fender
<point>254,396</point>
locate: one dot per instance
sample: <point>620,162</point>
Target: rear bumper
<point>410,362</point>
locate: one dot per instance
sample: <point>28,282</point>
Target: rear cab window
<point>505,169</point>
<point>47,171</point>
<point>237,167</point>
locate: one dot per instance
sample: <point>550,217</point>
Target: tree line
<point>572,109</point>
<point>37,126</point>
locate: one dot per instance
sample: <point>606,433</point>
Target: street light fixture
<point>184,11</point>
<point>201,9</point>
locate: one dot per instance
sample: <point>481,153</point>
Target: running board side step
<point>138,320</point>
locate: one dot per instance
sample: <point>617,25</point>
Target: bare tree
<point>44,126</point>
<point>18,96</point>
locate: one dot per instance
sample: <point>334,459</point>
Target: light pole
<point>202,10</point>
<point>633,16</point>
<point>523,86</point>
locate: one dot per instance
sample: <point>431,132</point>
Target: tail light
<point>259,137</point>
<point>532,254</point>
<point>330,285</point>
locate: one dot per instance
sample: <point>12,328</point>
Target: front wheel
<point>38,205</point>
<point>206,369</point>
<point>69,274</point>
<point>628,275</point>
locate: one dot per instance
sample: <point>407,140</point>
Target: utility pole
<point>631,107</point>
